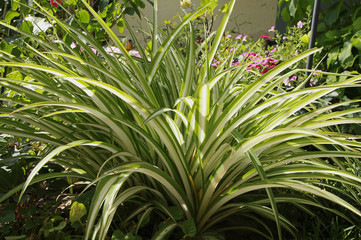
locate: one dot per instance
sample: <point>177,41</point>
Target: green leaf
<point>24,9</point>
<point>306,38</point>
<point>7,215</point>
<point>212,4</point>
<point>10,15</point>
<point>118,235</point>
<point>322,27</point>
<point>333,13</point>
<point>293,7</point>
<point>84,16</point>
<point>189,227</point>
<point>77,211</point>
<point>70,2</point>
<point>176,212</point>
<point>357,43</point>
<point>140,3</point>
<point>357,24</point>
<point>224,8</point>
<point>14,5</point>
<point>285,15</point>
<point>103,4</point>
<point>346,52</point>
<point>61,226</point>
<point>333,34</point>
<point>26,26</point>
<point>129,10</point>
<point>121,25</point>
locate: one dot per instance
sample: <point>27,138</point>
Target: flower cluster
<point>262,64</point>
<point>255,62</point>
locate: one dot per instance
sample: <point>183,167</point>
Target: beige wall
<point>252,17</point>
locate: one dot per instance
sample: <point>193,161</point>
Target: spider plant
<point>199,151</point>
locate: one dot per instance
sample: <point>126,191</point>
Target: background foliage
<point>204,143</point>
<point>338,32</point>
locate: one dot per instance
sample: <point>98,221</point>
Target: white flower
<point>186,3</point>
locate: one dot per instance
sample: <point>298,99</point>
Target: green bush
<point>338,32</point>
<point>174,148</point>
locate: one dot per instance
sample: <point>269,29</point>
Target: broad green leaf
<point>305,38</point>
<point>285,15</point>
<point>333,12</point>
<point>346,52</point>
<point>293,7</point>
<point>189,227</point>
<point>61,226</point>
<point>118,235</point>
<point>26,26</point>
<point>10,15</point>
<point>83,16</point>
<point>103,4</point>
<point>120,25</point>
<point>357,24</point>
<point>177,213</point>
<point>14,5</point>
<point>77,211</point>
<point>140,3</point>
<point>333,34</point>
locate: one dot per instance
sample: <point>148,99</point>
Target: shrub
<point>178,149</point>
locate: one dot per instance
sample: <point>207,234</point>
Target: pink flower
<point>244,38</point>
<point>72,45</point>
<point>294,78</point>
<point>317,73</point>
<point>135,53</point>
<point>264,71</point>
<point>239,36</point>
<point>111,50</point>
<point>228,36</point>
<point>272,60</point>
<point>55,3</point>
<point>94,50</point>
<point>265,37</point>
<point>199,42</point>
<point>287,82</point>
<point>252,65</point>
<point>273,50</point>
<point>271,29</point>
<point>300,24</point>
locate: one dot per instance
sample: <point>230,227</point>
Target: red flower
<point>55,3</point>
<point>265,37</point>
